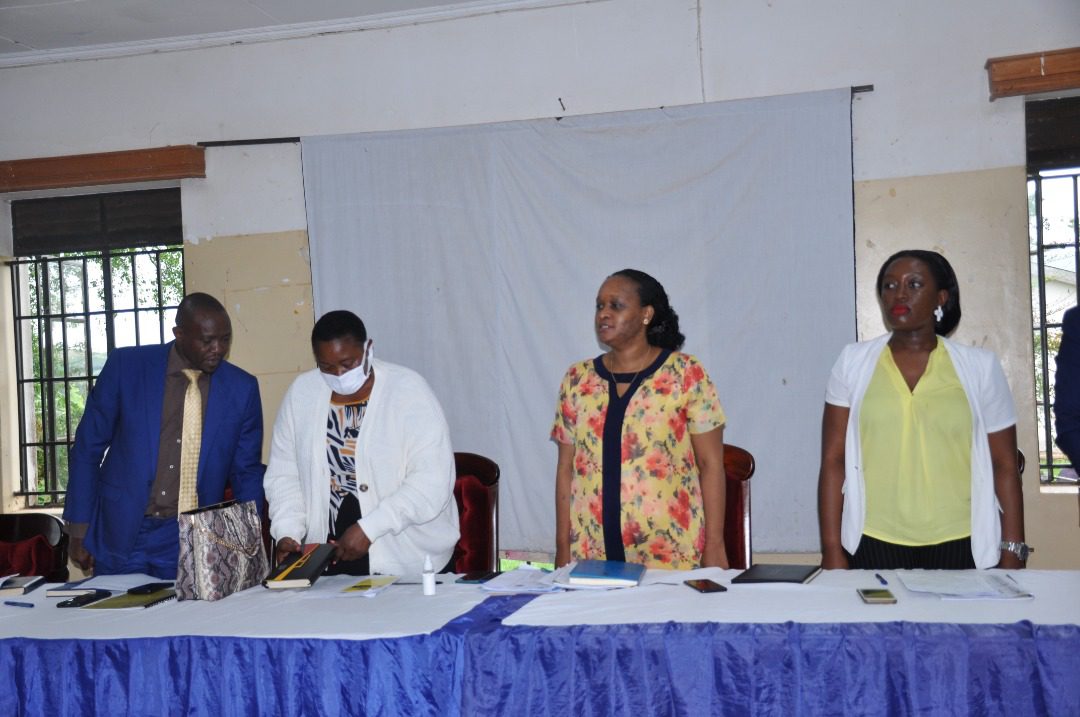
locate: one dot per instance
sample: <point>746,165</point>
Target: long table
<point>656,649</point>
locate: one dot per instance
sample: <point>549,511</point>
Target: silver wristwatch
<point>1020,550</point>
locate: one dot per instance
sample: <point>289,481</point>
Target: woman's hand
<point>353,544</point>
<point>834,560</point>
<point>831,486</point>
<point>714,556</point>
<point>284,547</point>
<point>1009,561</point>
<point>564,479</point>
<point>562,557</point>
<point>709,454</point>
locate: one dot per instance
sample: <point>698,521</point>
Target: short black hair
<point>197,303</point>
<point>944,277</point>
<point>337,325</point>
<point>663,330</point>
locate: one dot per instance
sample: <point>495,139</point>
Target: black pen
<point>12,603</point>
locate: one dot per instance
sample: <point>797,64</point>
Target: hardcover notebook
<point>766,573</point>
<point>301,570</point>
<point>129,600</point>
<point>19,584</point>
<point>69,589</point>
<point>609,573</point>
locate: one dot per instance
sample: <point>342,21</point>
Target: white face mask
<point>350,382</point>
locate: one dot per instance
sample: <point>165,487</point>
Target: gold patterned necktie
<point>190,443</point>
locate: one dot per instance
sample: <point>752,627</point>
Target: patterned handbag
<point>221,551</point>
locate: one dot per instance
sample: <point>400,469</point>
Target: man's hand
<point>284,547</point>
<point>353,545</point>
<point>79,554</point>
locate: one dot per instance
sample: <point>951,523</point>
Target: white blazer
<point>992,410</point>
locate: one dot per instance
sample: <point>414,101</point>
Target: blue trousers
<point>156,551</point>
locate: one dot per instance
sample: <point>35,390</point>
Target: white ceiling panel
<point>34,31</point>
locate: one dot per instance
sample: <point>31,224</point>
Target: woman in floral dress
<point>640,432</point>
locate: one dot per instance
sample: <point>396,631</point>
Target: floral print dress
<point>660,513</point>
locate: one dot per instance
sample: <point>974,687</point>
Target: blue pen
<point>880,579</point>
<point>12,603</point>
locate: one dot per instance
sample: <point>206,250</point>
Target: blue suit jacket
<point>1067,387</point>
<point>114,458</point>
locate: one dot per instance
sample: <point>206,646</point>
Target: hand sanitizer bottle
<point>429,576</point>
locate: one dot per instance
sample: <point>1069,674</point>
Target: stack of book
<point>606,573</point>
<point>19,584</point>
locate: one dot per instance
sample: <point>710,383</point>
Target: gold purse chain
<point>231,546</point>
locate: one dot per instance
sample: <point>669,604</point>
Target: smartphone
<point>877,596</point>
<point>705,586</point>
<point>148,588</point>
<point>84,599</point>
<point>480,576</point>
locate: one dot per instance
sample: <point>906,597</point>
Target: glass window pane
<point>72,279</point>
<point>146,273</point>
<point>172,277</point>
<point>1033,225</point>
<point>150,327</point>
<point>76,347</point>
<point>60,412</point>
<point>95,284</point>
<point>37,477</point>
<point>124,329</point>
<point>78,391</point>
<point>1058,207</point>
<point>123,294</point>
<point>62,453</point>
<point>51,291</point>
<point>56,350</point>
<point>99,343</point>
<point>1059,271</point>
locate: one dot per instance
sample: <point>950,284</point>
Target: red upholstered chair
<point>739,467</point>
<point>33,544</point>
<point>477,493</point>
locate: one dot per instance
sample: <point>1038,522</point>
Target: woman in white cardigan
<point>918,465</point>
<point>361,457</point>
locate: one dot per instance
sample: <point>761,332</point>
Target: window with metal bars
<point>91,273</point>
<point>1053,143</point>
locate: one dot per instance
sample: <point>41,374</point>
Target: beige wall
<point>264,280</point>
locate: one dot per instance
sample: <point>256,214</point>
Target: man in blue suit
<point>124,467</point>
<point>1067,387</point>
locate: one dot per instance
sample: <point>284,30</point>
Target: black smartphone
<point>480,576</point>
<point>148,588</point>
<point>84,599</point>
<point>877,596</point>
<point>705,586</point>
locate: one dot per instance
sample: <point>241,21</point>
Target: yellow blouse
<point>916,451</point>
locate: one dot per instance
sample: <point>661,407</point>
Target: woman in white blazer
<point>918,465</point>
<point>361,457</point>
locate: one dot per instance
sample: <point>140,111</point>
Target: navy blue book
<point>606,573</point>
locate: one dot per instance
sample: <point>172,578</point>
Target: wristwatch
<point>1020,550</point>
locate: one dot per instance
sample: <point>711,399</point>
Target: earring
<point>939,314</point>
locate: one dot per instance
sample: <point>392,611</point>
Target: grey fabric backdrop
<point>474,254</point>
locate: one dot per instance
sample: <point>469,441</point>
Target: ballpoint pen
<point>12,603</point>
<point>880,579</point>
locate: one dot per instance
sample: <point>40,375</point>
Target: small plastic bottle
<point>429,576</point>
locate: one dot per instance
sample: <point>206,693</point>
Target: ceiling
<point>39,31</point>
